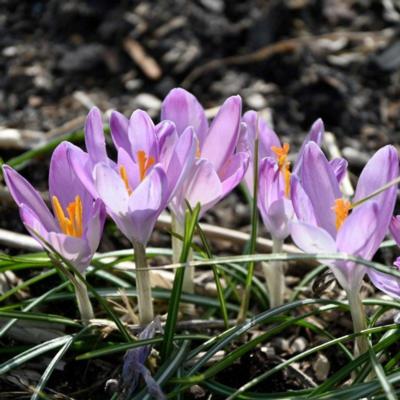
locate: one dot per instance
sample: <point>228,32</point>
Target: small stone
<point>321,367</point>
<point>299,344</point>
<point>256,101</point>
<point>148,101</point>
<point>280,344</point>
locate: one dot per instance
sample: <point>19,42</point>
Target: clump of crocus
<point>152,162</point>
<point>329,223</point>
<point>75,227</point>
<point>274,197</point>
<point>218,168</point>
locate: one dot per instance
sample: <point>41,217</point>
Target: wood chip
<point>146,63</point>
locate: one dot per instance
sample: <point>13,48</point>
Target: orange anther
<point>281,154</point>
<point>124,176</point>
<point>71,225</point>
<point>341,208</point>
<point>144,163</point>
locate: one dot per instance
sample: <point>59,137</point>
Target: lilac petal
<point>142,135</point>
<point>361,233</point>
<point>321,186</point>
<point>82,167</point>
<point>233,171</point>
<point>64,182</point>
<point>24,193</point>
<point>94,136</point>
<point>301,202</point>
<point>166,134</point>
<point>276,218</point>
<point>111,189</point>
<point>32,223</point>
<point>75,250</point>
<point>312,239</point>
<point>395,228</point>
<point>131,168</point>
<point>94,228</point>
<point>387,283</point>
<point>339,167</point>
<point>182,108</point>
<point>119,131</point>
<point>270,189</point>
<point>267,137</point>
<point>380,169</point>
<point>397,263</point>
<point>223,135</point>
<point>315,135</point>
<point>146,204</point>
<point>182,160</point>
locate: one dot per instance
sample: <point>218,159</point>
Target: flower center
<point>144,164</point>
<point>341,208</point>
<point>71,225</point>
<point>284,164</point>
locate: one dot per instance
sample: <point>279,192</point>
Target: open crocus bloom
<point>152,162</point>
<point>218,168</point>
<point>270,146</point>
<point>76,225</point>
<point>327,223</point>
<point>274,198</point>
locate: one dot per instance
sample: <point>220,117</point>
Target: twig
<point>281,47</point>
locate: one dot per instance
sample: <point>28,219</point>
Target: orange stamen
<point>198,150</point>
<point>144,163</point>
<point>124,176</point>
<point>286,176</point>
<point>71,225</point>
<point>341,208</point>
<point>281,154</point>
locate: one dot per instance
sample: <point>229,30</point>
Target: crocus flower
<point>270,145</point>
<point>218,168</point>
<point>327,223</point>
<point>75,227</point>
<point>152,162</point>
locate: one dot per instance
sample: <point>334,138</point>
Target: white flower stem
<point>143,284</point>
<point>188,280</point>
<point>359,321</point>
<point>82,298</point>
<point>274,276</point>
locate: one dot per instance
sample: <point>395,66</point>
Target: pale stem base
<point>359,321</point>
<point>82,298</point>
<point>274,273</point>
<point>143,284</point>
<point>188,279</point>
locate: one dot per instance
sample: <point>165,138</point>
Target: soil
<point>334,59</point>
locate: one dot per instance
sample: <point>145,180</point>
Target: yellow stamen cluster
<point>71,225</point>
<point>341,208</point>
<point>124,176</point>
<point>284,164</point>
<point>144,163</point>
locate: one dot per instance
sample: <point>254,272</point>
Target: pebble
<point>148,102</point>
<point>256,101</point>
<point>321,367</point>
<point>299,344</point>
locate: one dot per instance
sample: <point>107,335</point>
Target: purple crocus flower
<point>152,162</point>
<point>325,224</point>
<point>218,168</point>
<point>274,200</point>
<point>270,145</point>
<point>76,225</point>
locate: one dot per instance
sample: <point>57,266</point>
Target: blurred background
<point>293,60</point>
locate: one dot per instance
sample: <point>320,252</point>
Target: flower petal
<point>321,186</point>
<point>182,108</point>
<point>395,228</point>
<point>301,202</point>
<point>119,131</point>
<point>387,283</point>
<point>233,171</point>
<point>24,193</point>
<point>94,136</point>
<point>146,204</point>
<point>142,135</point>
<point>223,135</point>
<point>339,167</point>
